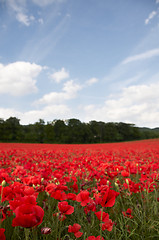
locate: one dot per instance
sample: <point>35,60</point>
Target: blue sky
<point>85,59</point>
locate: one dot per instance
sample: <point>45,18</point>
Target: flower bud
<point>3,183</point>
<point>45,230</point>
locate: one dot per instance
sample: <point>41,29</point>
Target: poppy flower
<point>75,229</point>
<point>125,173</point>
<point>95,238</point>
<point>71,196</point>
<point>2,236</point>
<point>65,208</point>
<point>107,225</point>
<point>28,215</point>
<point>83,197</point>
<point>58,195</point>
<point>102,216</point>
<point>108,198</point>
<point>127,213</point>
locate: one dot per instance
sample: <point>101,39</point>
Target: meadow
<point>85,192</point>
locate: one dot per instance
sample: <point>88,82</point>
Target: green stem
<point>101,224</point>
<point>27,231</point>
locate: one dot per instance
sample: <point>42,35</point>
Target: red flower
<point>128,213</point>
<point>65,208</point>
<point>90,207</point>
<point>108,198</point>
<point>75,229</point>
<point>71,196</point>
<point>83,197</point>
<point>2,236</point>
<point>102,216</point>
<point>125,173</point>
<point>28,215</point>
<point>107,225</point>
<point>59,195</point>
<point>31,199</point>
<point>95,238</point>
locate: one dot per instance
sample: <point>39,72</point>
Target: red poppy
<point>102,216</point>
<point>90,207</point>
<point>59,195</point>
<point>2,236</point>
<point>65,208</point>
<point>107,225</point>
<point>71,196</point>
<point>125,173</point>
<point>83,197</point>
<point>127,213</point>
<point>108,198</point>
<point>95,238</point>
<point>75,229</point>
<point>28,215</point>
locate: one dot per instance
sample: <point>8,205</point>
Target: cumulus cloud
<point>136,104</point>
<point>19,78</point>
<point>47,113</point>
<point>71,88</point>
<point>142,56</point>
<point>91,81</point>
<point>69,91</point>
<point>151,15</point>
<point>60,75</point>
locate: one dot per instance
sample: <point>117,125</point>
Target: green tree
<point>60,130</point>
<point>12,129</point>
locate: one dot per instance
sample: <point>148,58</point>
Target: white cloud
<point>41,21</point>
<point>19,7</point>
<point>91,81</point>
<point>157,1</point>
<point>151,15</point>
<point>136,104</point>
<point>43,3</point>
<point>23,18</point>
<point>47,113</point>
<point>142,56</point>
<point>19,78</point>
<point>70,90</point>
<point>60,75</point>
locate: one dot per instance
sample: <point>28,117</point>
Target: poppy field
<point>85,192</point>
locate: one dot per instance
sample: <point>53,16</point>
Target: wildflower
<point>75,229</point>
<point>83,197</point>
<point>102,216</point>
<point>2,236</point>
<point>127,213</point>
<point>95,238</point>
<point>45,230</point>
<point>65,208</point>
<point>124,173</point>
<point>28,215</point>
<point>108,198</point>
<point>106,222</point>
<point>107,225</point>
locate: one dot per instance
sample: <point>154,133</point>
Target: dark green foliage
<point>72,131</point>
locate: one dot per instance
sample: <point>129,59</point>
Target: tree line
<point>71,131</point>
